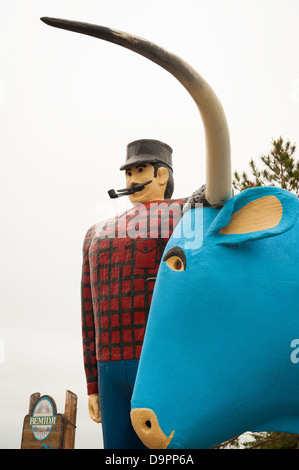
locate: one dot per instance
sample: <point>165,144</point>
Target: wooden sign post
<point>44,428</point>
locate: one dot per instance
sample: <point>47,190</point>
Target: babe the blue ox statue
<point>219,356</point>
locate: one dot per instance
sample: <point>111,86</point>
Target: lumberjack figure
<point>121,259</point>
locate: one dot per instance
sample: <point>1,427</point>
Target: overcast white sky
<point>69,104</point>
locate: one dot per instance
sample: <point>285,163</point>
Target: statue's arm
<point>88,333</point>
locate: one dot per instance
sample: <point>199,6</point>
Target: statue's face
<point>151,192</point>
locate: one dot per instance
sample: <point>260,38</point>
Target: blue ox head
<point>216,360</point>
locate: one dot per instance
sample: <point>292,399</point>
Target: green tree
<point>279,169</point>
<point>263,440</point>
<point>274,440</point>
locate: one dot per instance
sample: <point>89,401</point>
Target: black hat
<point>147,151</point>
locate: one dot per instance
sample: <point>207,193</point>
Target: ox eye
<point>175,259</point>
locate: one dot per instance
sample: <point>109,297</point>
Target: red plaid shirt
<point>119,258</point>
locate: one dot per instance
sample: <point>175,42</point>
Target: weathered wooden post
<point>70,415</point>
<point>44,428</point>
<point>33,400</point>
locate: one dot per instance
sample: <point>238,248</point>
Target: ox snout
<point>146,426</point>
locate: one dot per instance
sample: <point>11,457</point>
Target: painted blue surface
<point>116,381</point>
<point>216,359</point>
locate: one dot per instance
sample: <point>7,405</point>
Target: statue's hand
<point>94,408</point>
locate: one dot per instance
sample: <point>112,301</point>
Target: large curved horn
<point>218,164</point>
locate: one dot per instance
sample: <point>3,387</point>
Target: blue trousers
<point>116,382</point>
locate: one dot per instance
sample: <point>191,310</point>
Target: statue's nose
<point>146,426</point>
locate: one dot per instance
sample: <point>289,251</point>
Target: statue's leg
<point>116,381</point>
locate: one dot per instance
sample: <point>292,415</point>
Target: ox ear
<point>254,214</point>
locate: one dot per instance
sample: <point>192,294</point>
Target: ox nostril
<point>146,425</point>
